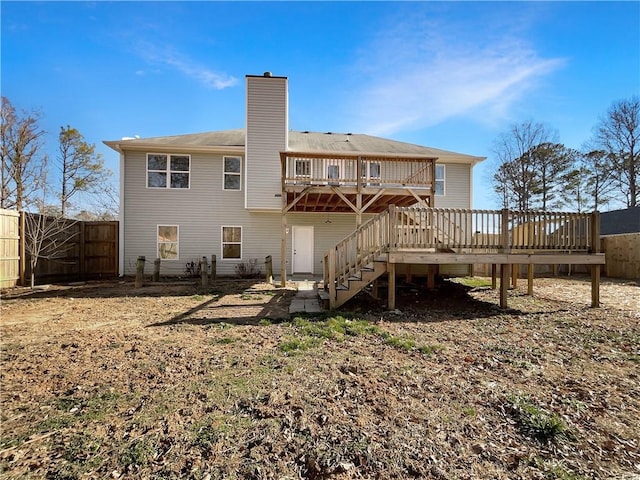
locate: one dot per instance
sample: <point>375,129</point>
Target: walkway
<point>306,298</point>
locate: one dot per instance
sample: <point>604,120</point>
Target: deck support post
<point>494,275</point>
<point>375,289</point>
<point>391,301</point>
<point>504,284</point>
<point>514,275</point>
<point>408,276</point>
<point>595,269</point>
<point>595,286</point>
<point>431,277</point>
<point>530,279</point>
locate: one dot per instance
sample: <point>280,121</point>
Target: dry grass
<point>175,383</point>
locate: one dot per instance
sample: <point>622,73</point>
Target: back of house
<point>243,194</point>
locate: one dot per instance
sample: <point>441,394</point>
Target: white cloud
<point>420,73</point>
<point>170,57</point>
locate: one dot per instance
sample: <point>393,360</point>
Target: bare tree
<point>516,179</point>
<point>82,170</point>
<point>23,169</point>
<point>48,237</point>
<point>618,133</point>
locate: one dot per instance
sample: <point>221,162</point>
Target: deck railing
<point>356,170</point>
<point>442,229</point>
<point>452,228</point>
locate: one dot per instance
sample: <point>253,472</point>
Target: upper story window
<point>370,172</point>
<point>168,171</point>
<point>232,171</point>
<point>440,174</point>
<point>303,169</point>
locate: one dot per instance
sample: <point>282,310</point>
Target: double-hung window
<point>168,242</point>
<point>370,172</point>
<point>231,242</point>
<point>303,170</point>
<point>440,174</point>
<point>168,171</point>
<point>232,171</point>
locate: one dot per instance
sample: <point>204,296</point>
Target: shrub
<point>248,269</point>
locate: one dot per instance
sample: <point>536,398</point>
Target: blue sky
<point>450,75</point>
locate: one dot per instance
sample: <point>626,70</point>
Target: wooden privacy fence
<point>9,248</point>
<point>90,253</point>
<point>623,255</point>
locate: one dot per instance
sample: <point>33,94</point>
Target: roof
<point>308,142</point>
<point>620,221</point>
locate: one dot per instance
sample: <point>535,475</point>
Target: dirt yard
<point>106,381</point>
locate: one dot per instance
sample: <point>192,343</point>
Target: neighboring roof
<point>309,142</point>
<point>620,221</point>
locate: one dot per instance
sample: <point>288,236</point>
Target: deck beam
<point>420,257</point>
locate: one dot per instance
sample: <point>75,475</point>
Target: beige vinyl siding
<point>457,187</point>
<point>201,211</point>
<point>266,138</point>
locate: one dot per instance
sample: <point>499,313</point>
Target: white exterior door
<point>302,241</point>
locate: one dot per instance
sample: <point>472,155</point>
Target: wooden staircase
<point>362,257</point>
<point>357,283</point>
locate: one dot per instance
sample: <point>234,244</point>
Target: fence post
<point>204,272</point>
<point>140,271</point>
<point>156,270</point>
<point>268,268</point>
<point>213,267</point>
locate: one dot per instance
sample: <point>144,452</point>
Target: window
<point>303,170</point>
<point>440,180</point>
<point>333,174</point>
<point>168,171</point>
<point>370,172</point>
<point>168,242</point>
<point>231,242</point>
<point>231,173</point>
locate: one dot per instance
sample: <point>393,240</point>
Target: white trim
<point>246,142</point>
<point>224,173</point>
<point>167,170</point>
<point>177,242</point>
<point>471,186</point>
<point>293,246</point>
<point>121,220</point>
<point>443,179</point>
<point>222,242</point>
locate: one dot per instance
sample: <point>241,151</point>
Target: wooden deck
<point>349,182</point>
<point>400,189</point>
<point>431,236</point>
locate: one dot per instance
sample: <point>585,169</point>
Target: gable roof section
<point>307,142</point>
<point>620,221</point>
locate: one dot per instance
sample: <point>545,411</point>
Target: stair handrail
<point>357,250</point>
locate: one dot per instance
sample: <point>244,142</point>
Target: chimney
<point>266,136</point>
